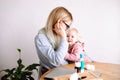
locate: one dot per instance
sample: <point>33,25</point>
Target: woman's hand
<point>59,28</point>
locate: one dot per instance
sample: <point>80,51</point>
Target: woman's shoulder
<point>41,33</point>
<point>42,39</point>
<point>40,36</point>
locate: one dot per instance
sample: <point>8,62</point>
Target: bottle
<point>82,63</point>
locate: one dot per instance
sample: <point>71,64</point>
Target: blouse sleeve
<point>46,52</point>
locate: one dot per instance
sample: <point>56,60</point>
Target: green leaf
<point>9,71</point>
<point>19,61</point>
<point>27,73</point>
<point>9,74</point>
<point>19,68</point>
<point>19,50</point>
<point>5,77</point>
<point>20,73</point>
<point>30,78</point>
<point>32,67</point>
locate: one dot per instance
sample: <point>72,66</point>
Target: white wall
<point>20,20</point>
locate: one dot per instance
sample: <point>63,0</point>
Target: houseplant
<point>20,72</point>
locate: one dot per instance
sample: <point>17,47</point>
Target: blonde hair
<point>80,37</point>
<point>75,30</point>
<point>57,13</point>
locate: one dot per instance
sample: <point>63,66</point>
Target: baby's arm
<point>74,53</point>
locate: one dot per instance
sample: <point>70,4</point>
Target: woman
<point>51,42</point>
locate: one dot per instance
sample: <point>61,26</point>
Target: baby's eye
<point>72,36</point>
<point>67,36</point>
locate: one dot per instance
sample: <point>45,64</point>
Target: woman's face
<point>61,24</point>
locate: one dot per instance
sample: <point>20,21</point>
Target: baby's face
<point>72,37</point>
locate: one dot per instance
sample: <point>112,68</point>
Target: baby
<point>75,47</point>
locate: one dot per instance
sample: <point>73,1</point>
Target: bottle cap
<point>81,55</point>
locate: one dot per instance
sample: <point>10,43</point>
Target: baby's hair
<point>74,29</point>
<point>78,33</point>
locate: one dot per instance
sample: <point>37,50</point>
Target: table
<point>109,72</point>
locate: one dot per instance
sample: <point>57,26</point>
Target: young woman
<point>51,42</point>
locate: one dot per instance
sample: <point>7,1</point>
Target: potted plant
<point>20,72</point>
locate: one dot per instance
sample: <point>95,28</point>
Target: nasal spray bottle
<point>82,63</point>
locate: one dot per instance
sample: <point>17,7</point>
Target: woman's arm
<point>46,52</point>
